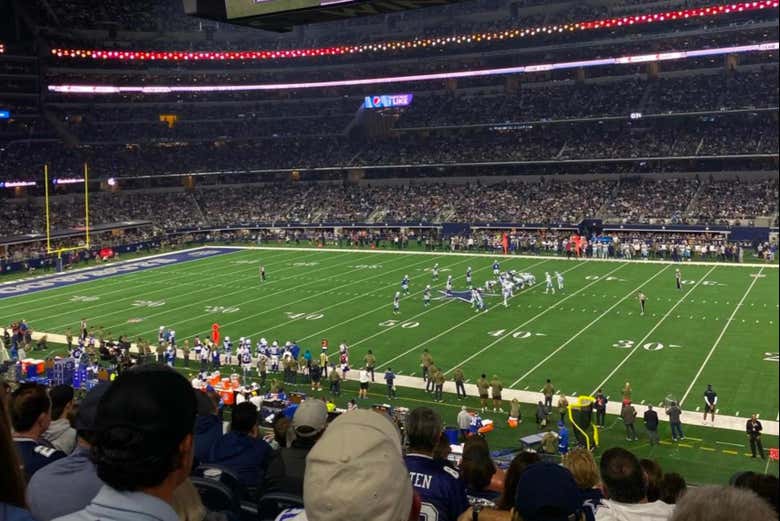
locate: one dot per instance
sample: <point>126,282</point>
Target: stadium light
<point>643,58</point>
<point>341,50</point>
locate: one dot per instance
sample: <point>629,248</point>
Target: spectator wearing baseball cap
<point>69,484</point>
<point>60,434</point>
<point>356,472</point>
<point>548,492</point>
<point>288,466</point>
<point>144,446</point>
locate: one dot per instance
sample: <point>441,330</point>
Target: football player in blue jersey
<point>442,492</point>
<point>496,268</point>
<point>405,285</point>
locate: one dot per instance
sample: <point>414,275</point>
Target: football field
<point>720,329</point>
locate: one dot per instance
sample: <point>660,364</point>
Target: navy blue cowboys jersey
<point>441,491</point>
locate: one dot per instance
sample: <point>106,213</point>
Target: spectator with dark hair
<point>722,504</point>
<point>208,426</point>
<point>440,488</point>
<point>520,462</point>
<point>653,476</point>
<point>60,434</point>
<point>625,488</point>
<point>240,450</point>
<point>12,503</point>
<point>144,446</point>
<point>477,469</point>
<point>547,492</point>
<point>69,484</point>
<point>764,485</point>
<point>583,469</point>
<point>30,417</point>
<point>287,466</point>
<point>673,487</point>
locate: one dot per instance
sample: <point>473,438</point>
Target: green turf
<point>587,337</point>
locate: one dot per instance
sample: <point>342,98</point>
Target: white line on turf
<point>378,308</point>
<point>189,294</point>
<point>541,313</point>
<point>582,330</point>
<point>512,256</point>
<point>174,276</point>
<point>433,308</point>
<point>656,326</point>
<point>358,295</point>
<point>720,337</point>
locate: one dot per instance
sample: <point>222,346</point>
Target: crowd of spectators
<point>148,444</point>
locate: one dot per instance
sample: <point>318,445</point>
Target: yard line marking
<point>720,337</point>
<point>729,443</point>
<point>559,348</point>
<point>189,294</point>
<point>315,293</point>
<point>656,326</point>
<point>174,276</point>
<point>358,295</point>
<point>317,333</point>
<point>432,308</point>
<point>519,328</point>
<point>431,339</point>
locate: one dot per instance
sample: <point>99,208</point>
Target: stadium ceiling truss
<point>419,43</point>
<point>623,60</point>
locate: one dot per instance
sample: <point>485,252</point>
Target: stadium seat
<point>271,504</point>
<point>221,494</point>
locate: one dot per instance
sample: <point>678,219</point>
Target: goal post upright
<point>47,209</point>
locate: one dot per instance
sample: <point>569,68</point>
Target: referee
<point>754,433</point>
<point>642,300</point>
<point>678,279</point>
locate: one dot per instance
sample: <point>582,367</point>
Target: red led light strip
<point>622,60</point>
<point>340,50</point>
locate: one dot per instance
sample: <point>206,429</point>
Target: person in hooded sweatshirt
<point>60,434</point>
<point>241,450</point>
<point>624,486</point>
<point>208,426</point>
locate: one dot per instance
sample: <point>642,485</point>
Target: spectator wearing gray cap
<point>69,484</point>
<point>288,466</point>
<point>356,472</point>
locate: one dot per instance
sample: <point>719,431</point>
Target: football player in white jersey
<point>448,287</point>
<point>506,292</point>
<point>468,277</point>
<point>548,283</point>
<point>397,303</point>
<point>559,277</point>
<point>273,350</point>
<point>427,296</point>
<point>435,272</point>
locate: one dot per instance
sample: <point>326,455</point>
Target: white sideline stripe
<point>656,326</point>
<point>359,295</point>
<point>513,331</point>
<point>135,282</point>
<point>510,256</point>
<point>720,337</point>
<point>176,308</point>
<point>559,348</point>
<point>689,418</point>
<point>476,315</point>
<point>7,301</point>
<point>317,294</point>
<point>378,308</point>
<point>201,315</point>
<point>432,308</point>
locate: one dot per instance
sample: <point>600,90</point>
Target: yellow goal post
<point>47,207</point>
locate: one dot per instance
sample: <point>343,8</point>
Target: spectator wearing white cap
<point>356,472</point>
<point>288,466</point>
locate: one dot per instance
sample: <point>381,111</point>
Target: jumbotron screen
<point>246,8</point>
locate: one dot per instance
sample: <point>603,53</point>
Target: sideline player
<point>678,279</point>
<point>710,403</point>
<point>405,284</point>
<point>559,277</point>
<point>548,283</point>
<point>262,273</point>
<point>468,277</point>
<point>642,301</point>
<point>397,303</point>
<point>427,296</point>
